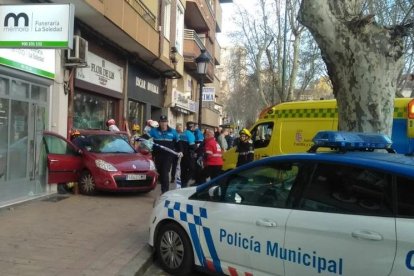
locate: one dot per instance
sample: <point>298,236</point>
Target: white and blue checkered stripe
<point>186,214</point>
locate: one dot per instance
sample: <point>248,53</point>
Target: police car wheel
<point>173,250</point>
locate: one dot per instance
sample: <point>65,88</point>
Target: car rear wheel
<point>87,184</point>
<point>173,250</point>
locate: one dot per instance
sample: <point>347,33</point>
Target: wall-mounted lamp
<point>173,55</point>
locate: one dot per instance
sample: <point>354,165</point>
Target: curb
<point>139,263</point>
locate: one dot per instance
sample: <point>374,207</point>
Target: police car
<point>345,212</point>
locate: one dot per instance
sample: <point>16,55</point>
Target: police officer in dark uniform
<point>167,137</point>
<point>188,145</point>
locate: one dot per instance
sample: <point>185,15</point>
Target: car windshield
<point>104,143</point>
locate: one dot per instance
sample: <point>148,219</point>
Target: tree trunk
<point>363,61</point>
<point>295,66</point>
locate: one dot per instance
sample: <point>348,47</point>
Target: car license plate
<point>136,177</point>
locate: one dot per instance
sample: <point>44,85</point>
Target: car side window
<point>55,145</point>
<point>267,186</point>
<point>262,134</point>
<point>405,191</point>
<point>349,190</point>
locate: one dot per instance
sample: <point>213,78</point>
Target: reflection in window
<point>56,145</point>
<point>91,111</point>
<point>39,93</point>
<point>342,189</point>
<point>104,143</point>
<point>4,86</point>
<point>4,113</point>
<point>19,89</point>
<point>267,186</point>
<point>136,114</point>
<point>405,190</point>
<point>262,134</point>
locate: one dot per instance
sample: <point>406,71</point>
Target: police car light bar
<point>349,141</point>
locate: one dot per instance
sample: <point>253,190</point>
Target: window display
<point>92,111</point>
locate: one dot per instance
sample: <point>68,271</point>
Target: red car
<point>99,160</point>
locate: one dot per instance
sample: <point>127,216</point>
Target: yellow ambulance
<point>289,127</point>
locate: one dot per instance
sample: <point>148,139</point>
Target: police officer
<point>167,137</point>
<point>187,141</point>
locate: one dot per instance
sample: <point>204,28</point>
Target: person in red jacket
<point>213,159</point>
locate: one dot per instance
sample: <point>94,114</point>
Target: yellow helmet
<point>75,133</point>
<point>246,132</point>
<point>136,127</point>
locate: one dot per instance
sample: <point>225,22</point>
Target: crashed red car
<point>99,160</point>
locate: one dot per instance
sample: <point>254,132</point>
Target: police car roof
<point>388,162</point>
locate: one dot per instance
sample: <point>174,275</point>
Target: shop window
<point>136,114</point>
<point>4,86</point>
<point>20,90</point>
<point>92,111</point>
<point>39,93</point>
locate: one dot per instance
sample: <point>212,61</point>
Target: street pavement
<point>77,235</point>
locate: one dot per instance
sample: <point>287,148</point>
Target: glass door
<point>23,117</point>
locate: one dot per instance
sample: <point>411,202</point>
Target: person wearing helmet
<point>245,148</point>
<point>111,125</point>
<point>74,133</point>
<point>147,129</point>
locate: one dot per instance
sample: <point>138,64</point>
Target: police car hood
<point>181,193</point>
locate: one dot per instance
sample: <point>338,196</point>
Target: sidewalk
<point>77,235</point>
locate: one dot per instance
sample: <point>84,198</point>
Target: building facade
<point>132,60</point>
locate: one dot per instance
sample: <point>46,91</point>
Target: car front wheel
<point>87,184</point>
<point>174,250</point>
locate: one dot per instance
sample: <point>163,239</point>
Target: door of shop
<point>22,121</point>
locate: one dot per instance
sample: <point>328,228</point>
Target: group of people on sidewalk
<point>200,154</point>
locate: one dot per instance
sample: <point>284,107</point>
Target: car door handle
<point>265,155</point>
<point>266,223</point>
<point>367,235</point>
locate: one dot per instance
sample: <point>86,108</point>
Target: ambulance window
<point>348,190</point>
<point>262,134</point>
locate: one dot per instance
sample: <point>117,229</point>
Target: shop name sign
<point>146,85</point>
<point>208,94</point>
<point>181,100</point>
<point>37,26</point>
<point>101,72</point>
<point>40,62</point>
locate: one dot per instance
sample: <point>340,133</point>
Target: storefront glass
<point>136,114</point>
<point>23,118</point>
<point>92,111</point>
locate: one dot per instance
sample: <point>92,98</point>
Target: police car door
<point>244,222</point>
<point>343,225</point>
<point>404,261</point>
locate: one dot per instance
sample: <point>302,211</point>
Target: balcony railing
<point>192,35</point>
<point>143,11</point>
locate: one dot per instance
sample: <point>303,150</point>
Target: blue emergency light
<point>351,141</point>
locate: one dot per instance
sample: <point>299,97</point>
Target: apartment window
<point>179,37</point>
<point>167,18</point>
